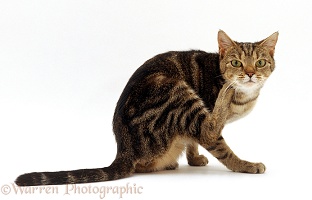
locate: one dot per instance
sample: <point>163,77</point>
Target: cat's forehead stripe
<point>247,48</point>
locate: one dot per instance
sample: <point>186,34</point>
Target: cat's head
<point>246,65</point>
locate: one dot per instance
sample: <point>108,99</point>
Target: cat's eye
<point>260,63</point>
<point>236,63</point>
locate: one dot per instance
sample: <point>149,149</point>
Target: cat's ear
<point>269,43</point>
<point>225,42</point>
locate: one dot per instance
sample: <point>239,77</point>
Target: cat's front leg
<point>226,156</point>
<point>222,104</point>
<point>221,111</point>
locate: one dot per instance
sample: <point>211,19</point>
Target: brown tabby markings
<point>177,101</point>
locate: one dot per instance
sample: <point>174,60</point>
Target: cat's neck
<point>242,103</point>
<point>244,96</point>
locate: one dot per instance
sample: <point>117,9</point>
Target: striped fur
<point>175,102</point>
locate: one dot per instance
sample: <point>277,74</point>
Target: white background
<point>64,63</point>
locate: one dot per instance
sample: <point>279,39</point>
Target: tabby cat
<point>175,102</point>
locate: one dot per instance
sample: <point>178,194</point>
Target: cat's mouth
<point>250,81</point>
<point>248,84</point>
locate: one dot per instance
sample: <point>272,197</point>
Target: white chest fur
<point>241,105</point>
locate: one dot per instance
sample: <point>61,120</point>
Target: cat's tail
<point>120,168</point>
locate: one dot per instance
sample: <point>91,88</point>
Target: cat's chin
<point>250,84</point>
<point>248,87</point>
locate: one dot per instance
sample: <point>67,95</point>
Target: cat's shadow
<point>191,170</point>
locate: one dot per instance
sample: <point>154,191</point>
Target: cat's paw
<point>199,160</point>
<point>172,166</point>
<point>260,168</point>
<point>252,168</point>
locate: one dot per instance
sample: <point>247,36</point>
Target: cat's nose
<point>250,74</point>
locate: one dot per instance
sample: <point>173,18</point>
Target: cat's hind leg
<point>146,167</point>
<point>193,157</point>
<point>164,161</point>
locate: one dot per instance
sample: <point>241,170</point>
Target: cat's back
<point>198,69</point>
<point>182,65</point>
